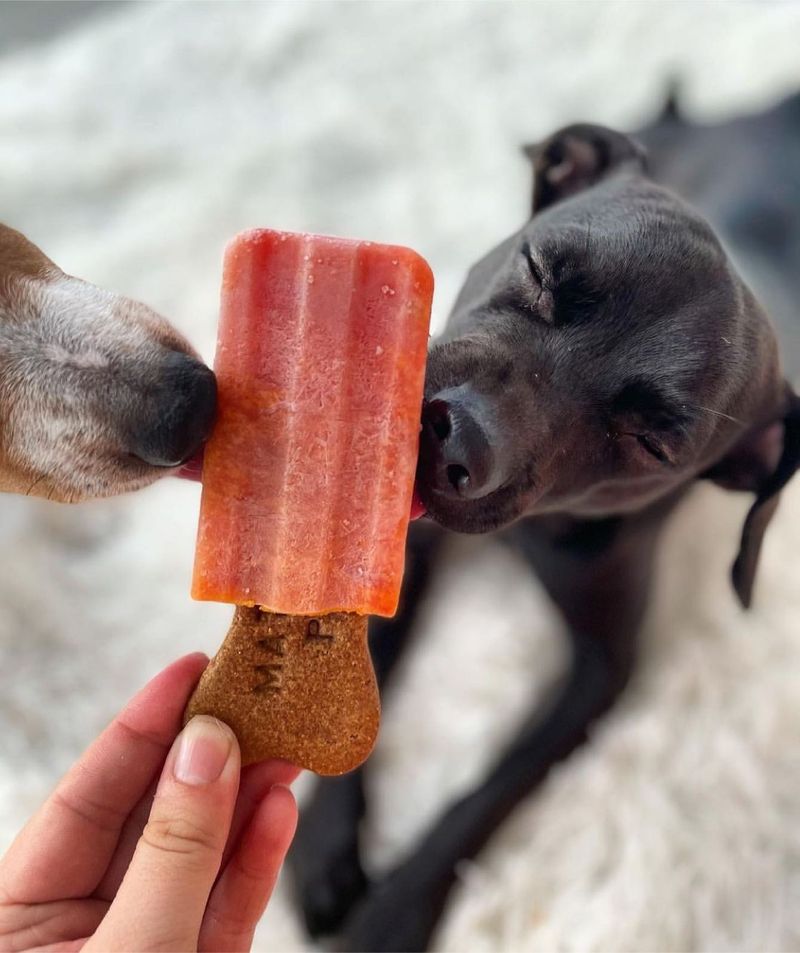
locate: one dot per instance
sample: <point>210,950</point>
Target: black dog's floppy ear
<point>764,462</point>
<point>577,157</point>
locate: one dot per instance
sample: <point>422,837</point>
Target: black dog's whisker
<point>719,413</point>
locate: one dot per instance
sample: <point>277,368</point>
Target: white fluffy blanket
<point>130,150</point>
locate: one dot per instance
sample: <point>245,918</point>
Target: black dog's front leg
<point>597,574</point>
<point>324,859</point>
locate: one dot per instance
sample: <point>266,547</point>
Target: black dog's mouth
<point>418,508</point>
<point>502,508</point>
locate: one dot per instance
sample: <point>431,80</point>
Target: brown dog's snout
<point>180,413</point>
<point>458,454</point>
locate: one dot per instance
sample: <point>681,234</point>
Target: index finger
<point>63,851</point>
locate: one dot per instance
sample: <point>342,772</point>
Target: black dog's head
<point>601,357</point>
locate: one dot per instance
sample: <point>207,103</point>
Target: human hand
<point>132,852</point>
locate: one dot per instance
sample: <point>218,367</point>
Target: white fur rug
<point>131,150</point>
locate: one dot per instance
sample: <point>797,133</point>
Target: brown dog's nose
<point>181,413</point>
<point>460,461</point>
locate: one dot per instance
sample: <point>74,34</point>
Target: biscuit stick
<point>307,486</point>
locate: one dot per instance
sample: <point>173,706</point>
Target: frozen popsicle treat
<point>307,485</point>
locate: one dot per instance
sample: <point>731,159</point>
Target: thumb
<point>162,898</point>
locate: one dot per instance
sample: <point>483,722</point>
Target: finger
<point>256,780</point>
<point>162,898</point>
<point>243,890</point>
<point>45,925</point>
<point>126,846</point>
<point>65,848</point>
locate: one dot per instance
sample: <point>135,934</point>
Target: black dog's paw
<point>328,890</point>
<point>400,914</point>
<point>324,860</point>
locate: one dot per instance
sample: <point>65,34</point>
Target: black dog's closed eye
<point>541,294</point>
<point>652,420</point>
<point>562,295</point>
<point>649,444</point>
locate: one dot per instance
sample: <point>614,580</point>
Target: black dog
<point>596,364</point>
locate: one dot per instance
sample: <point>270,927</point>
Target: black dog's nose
<point>461,462</point>
<point>181,413</point>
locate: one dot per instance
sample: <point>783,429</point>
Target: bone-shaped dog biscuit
<point>307,486</point>
<point>295,687</point>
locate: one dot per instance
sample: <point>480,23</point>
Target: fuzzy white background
<point>130,150</point>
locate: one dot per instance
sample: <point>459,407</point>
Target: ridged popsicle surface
<point>308,476</point>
